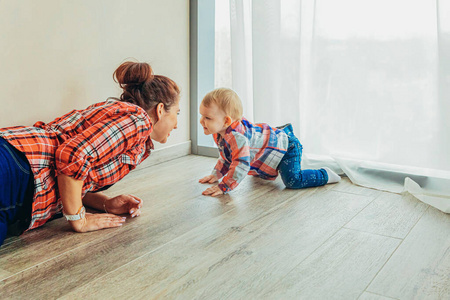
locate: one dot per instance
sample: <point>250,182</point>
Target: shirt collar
<point>149,143</point>
<point>234,125</point>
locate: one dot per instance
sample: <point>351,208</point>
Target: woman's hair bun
<point>142,88</point>
<point>133,74</point>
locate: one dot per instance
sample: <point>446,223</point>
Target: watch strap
<point>80,215</point>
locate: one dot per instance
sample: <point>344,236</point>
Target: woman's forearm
<point>95,200</point>
<point>70,192</point>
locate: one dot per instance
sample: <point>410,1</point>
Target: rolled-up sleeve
<point>99,143</point>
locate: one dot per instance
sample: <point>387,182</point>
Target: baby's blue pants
<point>290,166</point>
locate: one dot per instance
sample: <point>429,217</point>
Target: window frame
<point>202,45</point>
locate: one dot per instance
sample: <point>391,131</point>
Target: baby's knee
<point>290,182</point>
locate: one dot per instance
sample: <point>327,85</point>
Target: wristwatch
<point>80,215</point>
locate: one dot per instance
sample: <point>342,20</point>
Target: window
<point>210,62</point>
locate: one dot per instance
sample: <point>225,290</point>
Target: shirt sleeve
<point>240,162</point>
<point>221,167</point>
<point>99,143</point>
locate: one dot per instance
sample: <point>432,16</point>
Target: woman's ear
<point>159,111</point>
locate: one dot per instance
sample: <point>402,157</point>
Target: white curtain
<point>366,85</point>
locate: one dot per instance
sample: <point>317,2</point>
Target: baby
<point>253,149</point>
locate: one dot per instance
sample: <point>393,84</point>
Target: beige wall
<point>57,55</point>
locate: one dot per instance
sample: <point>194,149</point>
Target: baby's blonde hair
<point>227,100</point>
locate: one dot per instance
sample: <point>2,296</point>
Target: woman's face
<point>166,123</point>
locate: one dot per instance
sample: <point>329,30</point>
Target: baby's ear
<point>228,120</point>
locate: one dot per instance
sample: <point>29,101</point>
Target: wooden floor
<point>261,241</point>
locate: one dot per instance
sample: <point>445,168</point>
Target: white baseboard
<point>208,151</point>
<point>165,154</point>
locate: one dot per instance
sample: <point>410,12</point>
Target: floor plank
<point>346,185</point>
<point>4,274</point>
<point>420,268</point>
<point>371,296</point>
<point>340,269</point>
<point>389,214</point>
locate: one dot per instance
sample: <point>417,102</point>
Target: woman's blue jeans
<point>16,188</point>
<point>290,166</point>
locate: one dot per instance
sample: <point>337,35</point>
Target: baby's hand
<point>213,191</point>
<point>209,179</point>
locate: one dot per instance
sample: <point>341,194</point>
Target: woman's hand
<point>209,179</point>
<point>92,222</point>
<point>213,191</point>
<point>124,204</point>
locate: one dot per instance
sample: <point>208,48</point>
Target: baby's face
<point>213,119</point>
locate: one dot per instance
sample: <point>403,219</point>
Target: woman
<point>65,164</point>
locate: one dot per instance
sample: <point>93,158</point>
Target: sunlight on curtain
<point>365,84</point>
<point>222,51</point>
